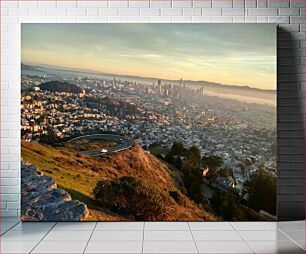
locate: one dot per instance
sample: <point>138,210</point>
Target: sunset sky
<point>234,54</point>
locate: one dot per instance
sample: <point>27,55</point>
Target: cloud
<point>194,49</point>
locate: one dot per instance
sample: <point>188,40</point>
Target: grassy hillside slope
<point>79,174</point>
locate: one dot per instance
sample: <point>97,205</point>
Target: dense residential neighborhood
<point>154,114</point>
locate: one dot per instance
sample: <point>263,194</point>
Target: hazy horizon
<point>228,54</point>
<point>87,71</point>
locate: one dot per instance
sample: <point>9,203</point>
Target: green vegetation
<point>71,172</point>
<point>111,105</point>
<point>85,145</point>
<point>49,138</point>
<point>57,86</point>
<point>226,206</point>
<point>262,192</point>
<point>132,197</point>
<point>79,175</point>
<point>190,167</point>
<point>213,163</point>
<point>174,155</point>
<point>178,148</point>
<point>193,176</point>
<point>158,150</point>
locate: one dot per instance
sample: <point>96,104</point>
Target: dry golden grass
<point>79,174</point>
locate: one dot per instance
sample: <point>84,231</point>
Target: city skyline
<point>84,131</point>
<point>247,57</point>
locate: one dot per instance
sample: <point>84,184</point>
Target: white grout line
<point>42,238</point>
<point>291,238</point>
<point>10,228</point>
<point>273,223</point>
<point>143,230</point>
<point>93,230</point>
<point>244,240</point>
<point>193,238</point>
<point>232,226</point>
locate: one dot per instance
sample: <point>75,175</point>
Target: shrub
<point>132,197</point>
<point>262,192</point>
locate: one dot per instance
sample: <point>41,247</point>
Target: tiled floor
<point>152,237</point>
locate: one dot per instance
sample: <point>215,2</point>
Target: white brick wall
<point>290,13</point>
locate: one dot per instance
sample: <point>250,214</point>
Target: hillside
<point>43,201</point>
<point>56,86</point>
<point>79,174</point>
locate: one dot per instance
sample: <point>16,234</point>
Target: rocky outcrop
<point>43,201</point>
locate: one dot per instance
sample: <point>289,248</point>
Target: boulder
<point>41,200</point>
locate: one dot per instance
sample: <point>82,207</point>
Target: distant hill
<point>25,67</point>
<point>207,84</point>
<point>57,86</point>
<point>79,174</point>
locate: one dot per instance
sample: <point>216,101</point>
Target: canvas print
<point>148,122</point>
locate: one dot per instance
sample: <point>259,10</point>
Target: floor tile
<point>120,226</point>
<point>296,235</point>
<point>3,230</point>
<point>161,237</point>
<point>216,236</point>
<point>22,236</point>
<point>167,236</point>
<point>17,247</point>
<point>9,220</point>
<point>9,224</point>
<point>166,226</point>
<point>33,226</point>
<point>69,236</point>
<point>291,225</point>
<point>169,247</point>
<point>276,247</point>
<point>67,226</point>
<point>256,225</point>
<point>107,236</point>
<point>60,247</point>
<point>114,247</point>
<point>301,244</point>
<point>221,226</point>
<point>224,247</point>
<point>258,235</point>
<point>4,226</point>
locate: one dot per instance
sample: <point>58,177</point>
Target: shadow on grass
<point>89,201</point>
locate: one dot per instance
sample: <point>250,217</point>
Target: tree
<point>178,162</point>
<point>225,205</point>
<point>49,138</point>
<point>155,144</point>
<point>173,157</point>
<point>169,158</point>
<point>192,173</point>
<point>137,199</point>
<point>193,176</point>
<point>261,191</point>
<point>178,148</point>
<point>224,172</point>
<point>213,163</point>
<point>194,154</point>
